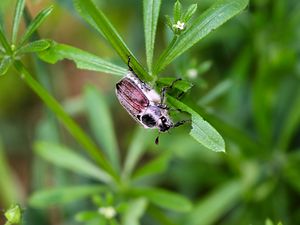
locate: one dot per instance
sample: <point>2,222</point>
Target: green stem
<point>157,67</point>
<point>67,121</point>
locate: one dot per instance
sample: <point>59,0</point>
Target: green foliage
<point>249,71</point>
<point>13,215</point>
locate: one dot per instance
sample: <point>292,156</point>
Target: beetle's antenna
<point>128,63</point>
<point>157,139</point>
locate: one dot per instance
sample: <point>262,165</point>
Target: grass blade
<point>57,154</point>
<point>63,195</point>
<point>136,149</point>
<point>163,198</point>
<point>36,22</point>
<point>10,191</point>
<point>87,8</point>
<point>17,18</point>
<point>211,19</point>
<point>102,125</point>
<point>4,41</point>
<point>215,205</point>
<point>66,120</point>
<point>83,60</point>
<point>5,64</point>
<point>201,130</point>
<point>151,13</point>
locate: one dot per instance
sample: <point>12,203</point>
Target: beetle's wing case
<point>149,92</point>
<point>131,97</point>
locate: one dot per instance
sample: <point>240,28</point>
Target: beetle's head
<point>164,124</point>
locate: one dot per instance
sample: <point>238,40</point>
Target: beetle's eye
<point>163,119</point>
<point>148,120</point>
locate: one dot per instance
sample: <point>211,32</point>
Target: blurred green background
<point>247,85</point>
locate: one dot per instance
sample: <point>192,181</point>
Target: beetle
<point>144,104</point>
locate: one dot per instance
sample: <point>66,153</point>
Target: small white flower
<point>179,25</point>
<point>192,73</point>
<point>108,212</point>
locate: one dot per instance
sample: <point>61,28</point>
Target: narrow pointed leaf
<point>87,8</point>
<point>177,11</point>
<point>163,198</point>
<point>3,41</point>
<point>80,136</point>
<point>35,46</point>
<point>58,154</point>
<point>189,13</point>
<point>151,13</point>
<point>153,167</point>
<point>35,23</point>
<point>83,59</point>
<point>215,205</point>
<point>134,211</point>
<point>201,130</point>
<point>17,18</point>
<point>4,65</point>
<point>101,123</point>
<point>138,146</point>
<point>211,19</point>
<point>63,195</point>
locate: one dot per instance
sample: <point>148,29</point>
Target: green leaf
<point>57,154</point>
<point>151,13</point>
<point>9,185</point>
<point>63,195</point>
<point>177,11</point>
<point>88,145</point>
<point>155,166</point>
<point>101,123</point>
<point>201,130</point>
<point>5,64</point>
<point>85,216</point>
<point>181,85</point>
<point>83,59</point>
<point>88,10</point>
<point>163,198</point>
<point>211,19</point>
<point>140,141</point>
<point>134,211</point>
<point>215,205</point>
<point>290,123</point>
<point>189,13</point>
<point>36,22</point>
<point>14,214</point>
<point>35,46</point>
<point>4,41</point>
<point>17,18</point>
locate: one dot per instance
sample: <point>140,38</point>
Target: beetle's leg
<point>179,123</point>
<point>164,91</point>
<point>128,63</point>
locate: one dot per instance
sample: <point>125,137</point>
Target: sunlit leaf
<point>35,46</point>
<point>63,195</point>
<point>201,130</point>
<point>151,13</point>
<point>17,18</point>
<point>83,59</point>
